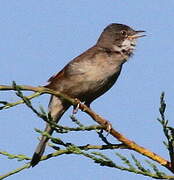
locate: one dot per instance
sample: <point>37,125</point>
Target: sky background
<point>39,37</point>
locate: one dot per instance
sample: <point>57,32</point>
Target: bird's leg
<point>76,108</point>
<point>108,127</point>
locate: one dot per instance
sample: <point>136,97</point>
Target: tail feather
<point>41,147</point>
<point>57,108</point>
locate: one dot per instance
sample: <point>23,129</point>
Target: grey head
<point>119,37</point>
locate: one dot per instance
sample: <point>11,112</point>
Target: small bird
<point>90,75</point>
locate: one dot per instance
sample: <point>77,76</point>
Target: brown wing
<point>72,68</point>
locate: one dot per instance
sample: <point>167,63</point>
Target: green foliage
<point>132,164</point>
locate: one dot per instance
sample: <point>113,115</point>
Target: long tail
<point>57,109</point>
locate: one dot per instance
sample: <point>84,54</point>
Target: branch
<point>15,171</point>
<point>168,131</point>
<point>104,123</point>
<point>68,150</point>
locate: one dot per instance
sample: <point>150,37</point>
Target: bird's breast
<point>93,77</point>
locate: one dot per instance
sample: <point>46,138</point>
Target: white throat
<point>127,46</point>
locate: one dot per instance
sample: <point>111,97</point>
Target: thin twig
<point>104,123</point>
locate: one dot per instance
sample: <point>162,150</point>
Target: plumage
<point>91,74</point>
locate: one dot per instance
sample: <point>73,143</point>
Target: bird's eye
<point>123,33</point>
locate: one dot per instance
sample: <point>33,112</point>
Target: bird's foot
<point>76,107</point>
<point>108,127</point>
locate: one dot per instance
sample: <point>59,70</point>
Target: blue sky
<point>39,37</point>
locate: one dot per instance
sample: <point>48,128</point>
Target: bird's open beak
<point>136,35</point>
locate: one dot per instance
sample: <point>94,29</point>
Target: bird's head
<point>119,37</point>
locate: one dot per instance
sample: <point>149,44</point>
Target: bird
<point>89,75</point>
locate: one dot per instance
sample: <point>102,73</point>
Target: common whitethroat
<point>90,75</point>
